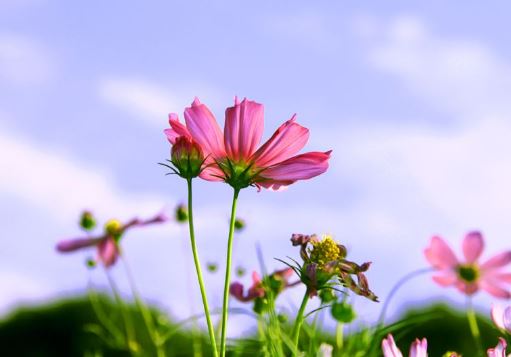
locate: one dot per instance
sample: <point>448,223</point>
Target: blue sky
<point>411,97</point>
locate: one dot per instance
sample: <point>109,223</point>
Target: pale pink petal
<point>389,347</point>
<point>507,319</point>
<point>493,288</point>
<point>244,123</point>
<point>289,138</point>
<point>108,251</point>
<point>467,288</point>
<point>497,261</point>
<point>503,277</point>
<point>497,316</point>
<point>419,348</point>
<point>274,185</point>
<point>177,129</point>
<point>301,167</point>
<point>447,278</point>
<point>473,245</point>
<point>256,278</point>
<point>204,129</point>
<point>212,173</point>
<point>71,245</point>
<point>439,254</point>
<point>499,350</point>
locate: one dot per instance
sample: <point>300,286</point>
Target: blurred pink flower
<point>469,275</point>
<point>257,289</point>
<point>419,348</point>
<point>499,350</point>
<point>501,317</point>
<point>107,244</point>
<point>234,156</point>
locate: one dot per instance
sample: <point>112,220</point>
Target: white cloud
<point>463,76</point>
<point>23,61</point>
<point>62,185</point>
<point>152,101</point>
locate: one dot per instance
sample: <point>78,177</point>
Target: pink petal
<point>503,277</point>
<point>497,316</point>
<point>499,350</point>
<point>439,254</point>
<point>177,129</point>
<point>507,319</point>
<point>289,138</point>
<point>204,129</point>
<point>493,288</point>
<point>467,288</point>
<point>419,348</point>
<point>236,290</point>
<point>301,167</point>
<point>212,173</point>
<point>71,245</point>
<point>445,279</point>
<point>108,251</point>
<point>244,125</point>
<point>473,245</point>
<point>389,347</point>
<point>256,278</point>
<point>497,261</point>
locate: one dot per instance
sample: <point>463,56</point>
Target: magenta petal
<point>212,173</point>
<point>497,261</point>
<point>493,288</point>
<point>419,348</point>
<point>439,255</point>
<point>243,130</point>
<point>108,251</point>
<point>289,138</point>
<point>447,278</point>
<point>389,347</point>
<point>71,245</point>
<point>177,129</point>
<point>300,167</point>
<point>236,290</point>
<point>499,350</point>
<point>204,129</point>
<point>473,245</point>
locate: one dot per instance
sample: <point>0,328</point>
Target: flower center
<point>325,251</point>
<point>468,273</point>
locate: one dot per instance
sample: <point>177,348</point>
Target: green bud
<point>212,267</point>
<point>282,318</point>
<point>90,263</point>
<point>239,224</point>
<point>240,272</point>
<point>327,296</point>
<point>181,213</point>
<point>87,221</point>
<point>343,312</point>
<point>113,228</point>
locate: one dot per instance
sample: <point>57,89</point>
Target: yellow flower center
<point>324,251</point>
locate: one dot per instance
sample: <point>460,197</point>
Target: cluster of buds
<point>107,243</point>
<point>325,266</point>
<point>260,289</point>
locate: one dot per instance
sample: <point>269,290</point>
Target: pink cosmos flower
<point>469,275</point>
<point>107,244</point>
<point>501,317</point>
<point>234,156</point>
<point>499,350</point>
<point>257,290</point>
<point>419,348</point>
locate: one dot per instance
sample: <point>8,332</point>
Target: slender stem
<point>128,323</point>
<point>196,261</point>
<point>299,319</point>
<point>101,315</point>
<point>144,311</point>
<point>339,335</point>
<point>472,322</point>
<point>396,287</point>
<point>227,282</point>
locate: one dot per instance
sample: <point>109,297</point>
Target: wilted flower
<point>469,275</point>
<point>419,348</point>
<point>501,317</point>
<point>107,243</point>
<point>499,350</point>
<point>258,291</point>
<point>325,265</point>
<point>233,156</point>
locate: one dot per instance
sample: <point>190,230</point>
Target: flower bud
<point>239,224</point>
<point>187,157</point>
<point>181,213</point>
<point>113,228</point>
<point>343,312</point>
<point>87,221</point>
<point>212,267</point>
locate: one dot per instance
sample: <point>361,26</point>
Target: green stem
<point>196,261</point>
<point>144,311</point>
<point>299,319</point>
<point>339,335</point>
<point>128,323</point>
<point>474,329</point>
<point>227,282</point>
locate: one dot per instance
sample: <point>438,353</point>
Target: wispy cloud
<point>23,60</point>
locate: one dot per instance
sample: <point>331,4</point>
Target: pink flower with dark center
<point>499,350</point>
<point>419,348</point>
<point>107,244</point>
<point>234,156</point>
<point>468,275</point>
